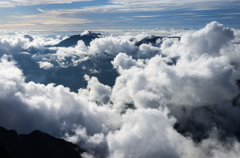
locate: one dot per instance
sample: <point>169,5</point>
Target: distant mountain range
<point>88,36</point>
<point>35,145</point>
<point>153,39</point>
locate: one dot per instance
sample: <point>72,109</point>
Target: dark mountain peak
<point>90,33</point>
<point>36,144</point>
<point>36,132</point>
<point>8,136</point>
<point>153,39</point>
<point>86,37</point>
<point>28,37</point>
<point>2,129</point>
<point>149,39</point>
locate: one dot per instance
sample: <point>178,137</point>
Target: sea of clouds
<point>172,98</point>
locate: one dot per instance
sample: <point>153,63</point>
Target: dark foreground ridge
<point>35,145</point>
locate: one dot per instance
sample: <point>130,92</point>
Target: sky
<point>158,16</point>
<point>124,94</point>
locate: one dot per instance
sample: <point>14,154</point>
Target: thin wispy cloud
<point>106,13</point>
<point>146,16</point>
<point>14,3</point>
<point>45,19</point>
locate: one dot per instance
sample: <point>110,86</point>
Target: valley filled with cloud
<point>129,96</point>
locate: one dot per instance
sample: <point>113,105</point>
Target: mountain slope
<point>36,144</point>
<point>86,37</point>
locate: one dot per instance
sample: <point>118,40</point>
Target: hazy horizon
<point>116,15</point>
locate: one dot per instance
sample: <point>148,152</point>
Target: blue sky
<point>76,15</point>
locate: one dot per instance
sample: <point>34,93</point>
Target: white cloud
<point>190,82</point>
<point>55,106</point>
<point>96,91</point>
<point>200,64</point>
<point>137,130</point>
<point>45,65</point>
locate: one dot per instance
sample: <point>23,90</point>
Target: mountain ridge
<point>35,144</point>
<point>86,37</point>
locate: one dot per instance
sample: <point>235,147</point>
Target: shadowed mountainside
<point>153,39</point>
<point>36,144</point>
<point>88,36</point>
<point>73,40</point>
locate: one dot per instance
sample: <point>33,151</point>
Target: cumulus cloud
<point>50,103</point>
<point>137,131</point>
<point>96,91</point>
<point>45,65</point>
<point>172,98</point>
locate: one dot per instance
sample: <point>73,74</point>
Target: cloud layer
<point>172,98</point>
